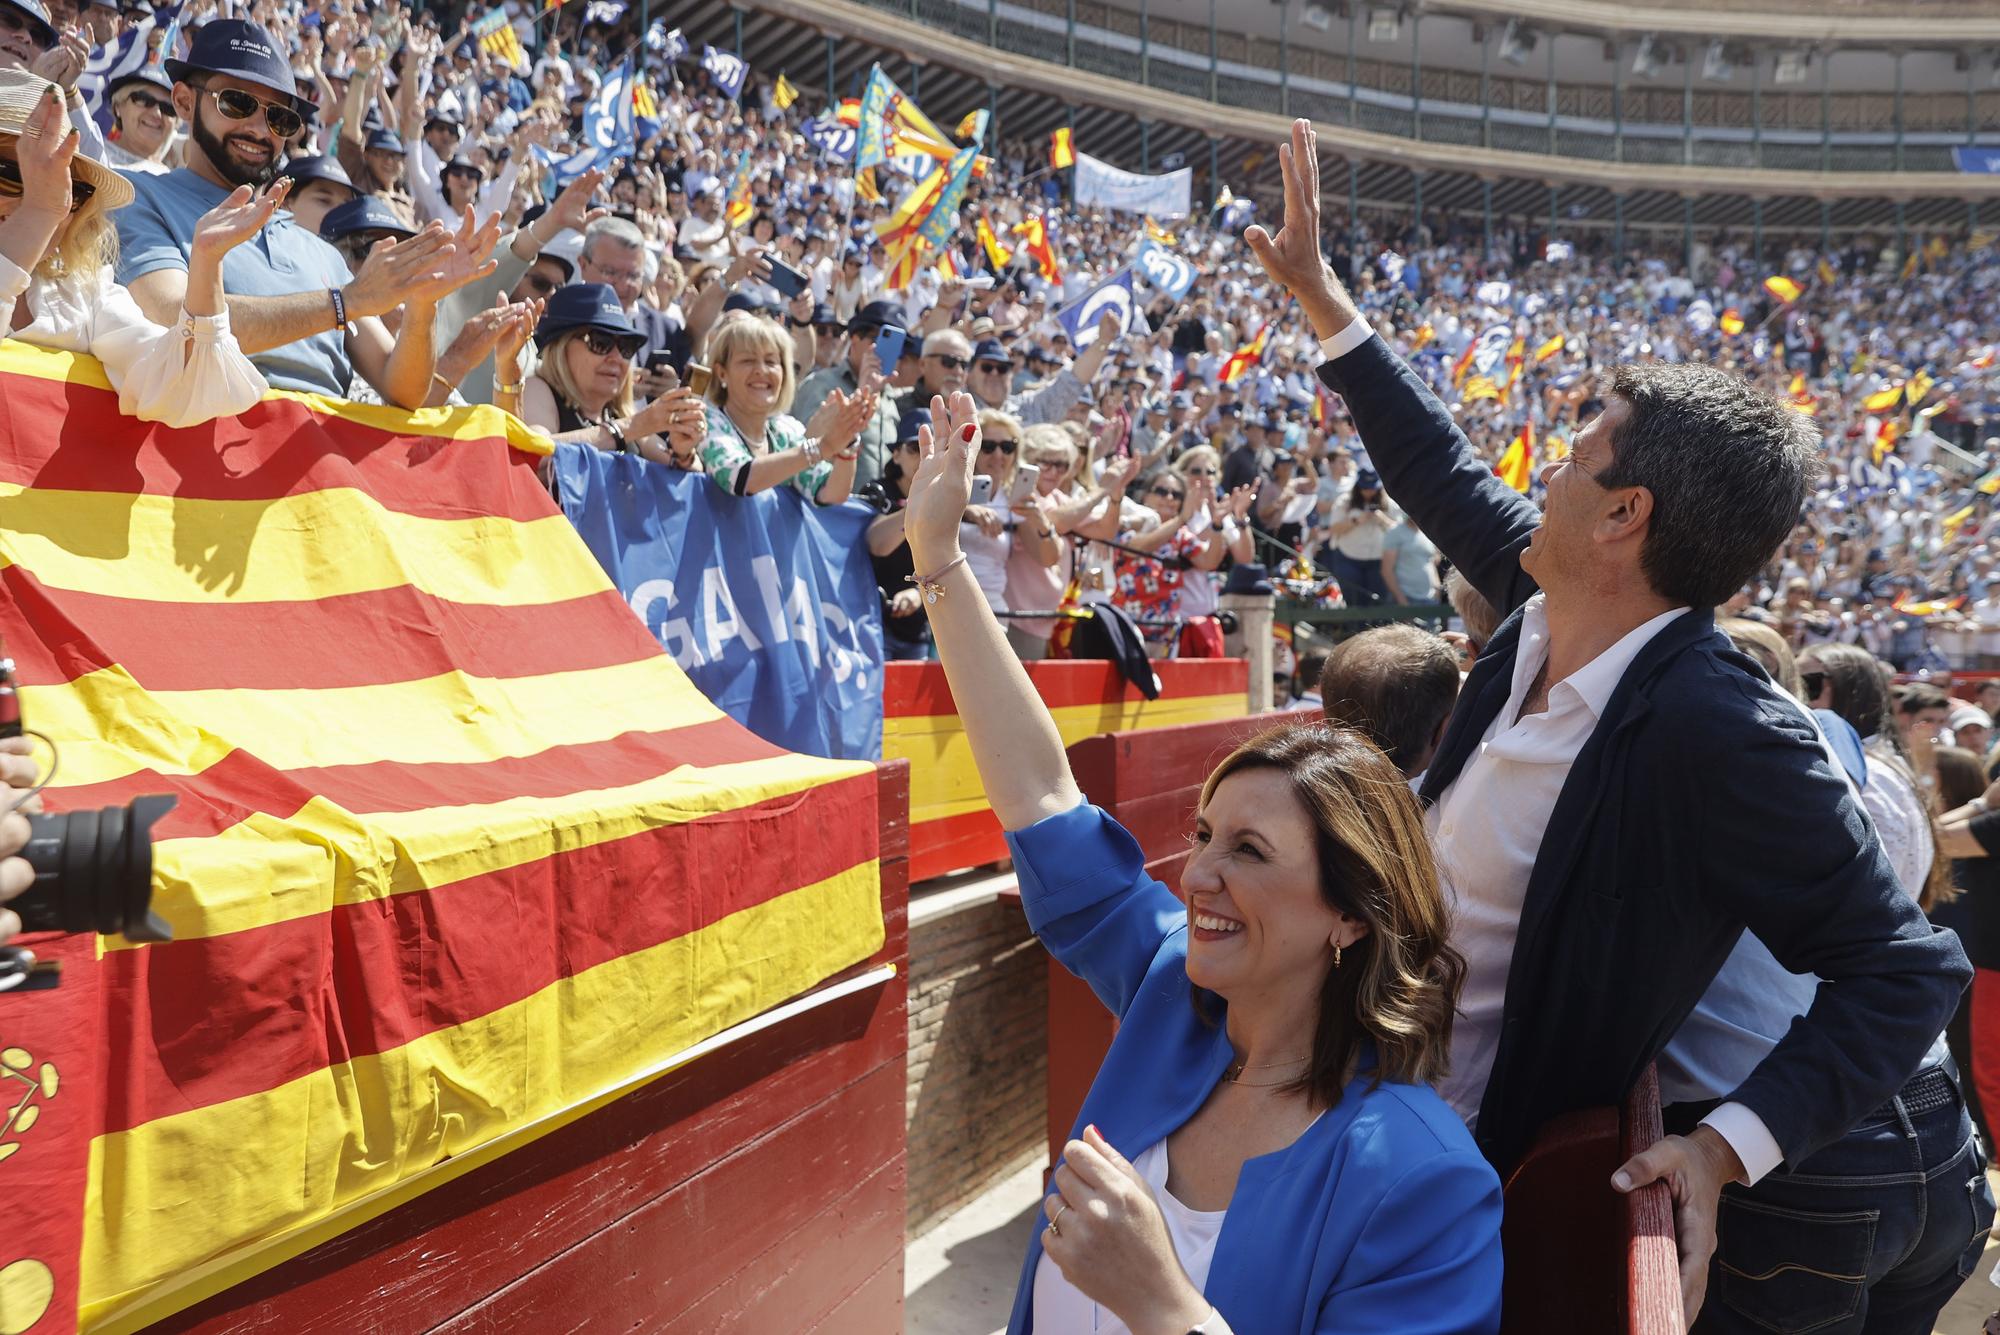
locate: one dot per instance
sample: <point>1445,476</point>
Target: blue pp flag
<point>830,137</point>
<point>767,602</point>
<point>608,131</point>
<point>727,70</point>
<point>1168,272</point>
<point>1079,320</point>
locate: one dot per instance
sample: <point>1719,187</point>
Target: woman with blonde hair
<point>747,441</point>
<point>1260,1150</point>
<point>582,386</point>
<point>991,532</point>
<point>57,252</point>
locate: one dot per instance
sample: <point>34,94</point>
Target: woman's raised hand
<point>45,149</point>
<point>948,448</point>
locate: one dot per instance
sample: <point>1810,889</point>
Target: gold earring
<point>1336,954</point>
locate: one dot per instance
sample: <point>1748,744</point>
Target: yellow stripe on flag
<point>1783,288</point>
<point>272,1164</point>
<point>316,545</point>
<point>202,890</point>
<point>1883,399</point>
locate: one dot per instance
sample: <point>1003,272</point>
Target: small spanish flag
<point>1517,466</point>
<point>1421,339</point>
<point>1245,357</point>
<point>1731,321</point>
<point>1885,440</point>
<point>644,106</point>
<point>1783,288</point>
<point>1159,233</point>
<point>849,111</point>
<point>1827,273</point>
<point>784,94</point>
<point>1884,399</point>
<point>1062,152</point>
<point>947,264</point>
<point>1920,385</point>
<point>1463,364</point>
<point>997,255</point>
<point>1549,349</point>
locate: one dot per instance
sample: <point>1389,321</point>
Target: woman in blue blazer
<point>1261,1151</point>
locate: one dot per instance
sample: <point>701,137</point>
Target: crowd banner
<point>459,854</point>
<point>1100,185</point>
<point>767,602</point>
<point>1985,160</point>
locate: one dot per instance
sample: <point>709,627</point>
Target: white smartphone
<point>982,490</point>
<point>1026,478</point>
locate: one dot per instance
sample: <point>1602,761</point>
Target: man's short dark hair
<point>1396,685</point>
<point>1728,467</point>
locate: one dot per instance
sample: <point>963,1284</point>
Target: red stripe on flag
<point>195,1032</point>
<point>239,785</point>
<point>359,639</point>
<point>279,448</point>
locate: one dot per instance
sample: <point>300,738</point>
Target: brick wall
<point>977,1088</point>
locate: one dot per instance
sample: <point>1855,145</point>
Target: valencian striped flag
<point>459,853</point>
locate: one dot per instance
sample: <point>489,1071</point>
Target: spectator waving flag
<point>608,130</point>
<point>1245,357</point>
<point>668,45</point>
<point>997,255</point>
<point>892,126</point>
<point>1113,296</point>
<point>783,93</point>
<point>1166,271</point>
<point>727,70</point>
<point>127,54</point>
<point>832,138</point>
<point>606,12</point>
<point>1039,247</point>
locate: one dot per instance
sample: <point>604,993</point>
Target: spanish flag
<point>947,264</point>
<point>1464,363</point>
<point>459,853</point>
<point>1517,466</point>
<point>1885,440</point>
<point>1245,357</point>
<point>1827,273</point>
<point>1550,348</point>
<point>1884,399</point>
<point>1159,233</point>
<point>1783,288</point>
<point>1920,385</point>
<point>1421,339</point>
<point>1035,234</point>
<point>1062,152</point>
<point>783,93</point>
<point>1731,321</point>
<point>997,255</point>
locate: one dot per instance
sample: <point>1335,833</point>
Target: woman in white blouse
<point>56,250</point>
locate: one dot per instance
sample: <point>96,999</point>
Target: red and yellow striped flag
<point>997,255</point>
<point>1245,357</point>
<point>1062,149</point>
<point>1731,321</point>
<point>1550,348</point>
<point>459,852</point>
<point>783,94</point>
<point>1884,399</point>
<point>1421,339</point>
<point>1783,288</point>
<point>1517,466</point>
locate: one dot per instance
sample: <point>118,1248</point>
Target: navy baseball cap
<point>876,314</point>
<point>910,422</point>
<point>320,167</point>
<point>363,213</point>
<point>823,316</point>
<point>387,141</point>
<point>235,47</point>
<point>991,350</point>
<point>583,306</point>
<point>146,74</point>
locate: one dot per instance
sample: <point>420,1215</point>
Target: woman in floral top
<point>749,442</point>
<point>1150,586</point>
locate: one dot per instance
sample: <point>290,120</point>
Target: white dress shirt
<point>183,376</point>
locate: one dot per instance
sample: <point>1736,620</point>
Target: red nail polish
<point>1092,1129</point>
<point>967,432</point>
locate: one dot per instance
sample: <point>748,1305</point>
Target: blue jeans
<point>1361,582</point>
<point>1872,1234</point>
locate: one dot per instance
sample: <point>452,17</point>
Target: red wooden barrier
<point>1580,1256</point>
<point>760,1188</point>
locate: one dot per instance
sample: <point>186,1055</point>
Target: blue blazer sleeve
<point>1794,856</point>
<point>1088,897</point>
<point>1428,1261</point>
<point>1430,470</point>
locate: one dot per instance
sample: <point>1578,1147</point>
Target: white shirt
<point>183,376</point>
<point>1061,1309</point>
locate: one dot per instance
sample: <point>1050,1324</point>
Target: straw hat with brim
<point>20,93</point>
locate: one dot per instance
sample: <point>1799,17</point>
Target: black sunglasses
<point>1003,444</point>
<point>952,363</point>
<point>996,368</point>
<point>1812,683</point>
<point>241,106</point>
<point>1169,492</point>
<point>602,341</point>
<point>159,104</point>
<point>80,191</point>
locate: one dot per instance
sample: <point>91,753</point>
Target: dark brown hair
<point>1396,686</point>
<point>1398,985</point>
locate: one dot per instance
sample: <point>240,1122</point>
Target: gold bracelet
<point>499,388</point>
<point>932,586</point>
<point>448,386</point>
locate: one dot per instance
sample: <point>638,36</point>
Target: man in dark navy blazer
<point>1619,794</point>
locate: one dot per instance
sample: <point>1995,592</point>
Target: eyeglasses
<point>150,102</point>
<point>1171,493</point>
<point>611,275</point>
<point>1201,472</point>
<point>80,191</point>
<point>602,341</point>
<point>241,106</point>
<point>951,363</point>
<point>1812,683</point>
<point>1004,444</point>
<point>13,22</point>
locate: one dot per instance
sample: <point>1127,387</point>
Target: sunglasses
<point>907,447</point>
<point>995,368</point>
<point>951,363</point>
<point>1812,683</point>
<point>80,191</point>
<point>1003,444</point>
<point>1171,493</point>
<point>1201,472</point>
<point>159,104</point>
<point>241,106</point>
<point>541,283</point>
<point>600,342</point>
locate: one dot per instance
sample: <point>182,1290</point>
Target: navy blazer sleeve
<point>1790,851</point>
<point>1429,468</point>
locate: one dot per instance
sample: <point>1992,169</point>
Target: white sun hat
<point>20,93</point>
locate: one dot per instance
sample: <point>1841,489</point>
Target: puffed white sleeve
<point>13,282</point>
<point>191,373</point>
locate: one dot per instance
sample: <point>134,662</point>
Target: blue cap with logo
<point>363,213</point>
<point>39,23</point>
<point>582,306</point>
<point>235,47</point>
<point>387,141</point>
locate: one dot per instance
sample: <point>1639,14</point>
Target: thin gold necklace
<point>1236,1069</point>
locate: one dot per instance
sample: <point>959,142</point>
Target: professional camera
<point>93,869</point>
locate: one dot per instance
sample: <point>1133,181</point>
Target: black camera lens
<point>94,871</point>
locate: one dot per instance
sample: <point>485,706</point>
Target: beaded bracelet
<point>932,586</point>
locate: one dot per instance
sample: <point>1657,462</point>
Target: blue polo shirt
<point>156,231</point>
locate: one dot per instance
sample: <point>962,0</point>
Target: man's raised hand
<point>1292,256</point>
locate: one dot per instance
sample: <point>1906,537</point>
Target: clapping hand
<point>513,335</point>
<point>64,61</point>
<point>841,417</point>
<point>238,218</point>
<point>947,450</point>
<point>467,258</point>
<point>45,152</point>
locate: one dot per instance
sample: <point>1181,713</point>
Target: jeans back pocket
<point>1793,1270</point>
